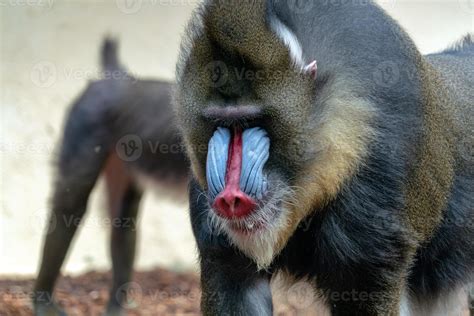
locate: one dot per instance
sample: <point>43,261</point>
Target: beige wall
<point>49,50</point>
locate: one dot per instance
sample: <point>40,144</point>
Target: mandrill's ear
<point>311,69</point>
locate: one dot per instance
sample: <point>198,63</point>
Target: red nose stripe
<point>234,162</point>
<point>232,202</point>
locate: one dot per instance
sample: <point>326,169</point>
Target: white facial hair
<point>259,245</point>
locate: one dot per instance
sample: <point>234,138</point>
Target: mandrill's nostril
<point>234,204</point>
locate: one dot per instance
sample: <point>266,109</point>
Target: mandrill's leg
<point>83,152</point>
<point>230,282</point>
<point>124,198</point>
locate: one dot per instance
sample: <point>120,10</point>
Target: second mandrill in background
<point>352,173</point>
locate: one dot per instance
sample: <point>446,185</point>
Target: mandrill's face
<point>263,128</point>
<point>246,154</point>
<point>246,169</point>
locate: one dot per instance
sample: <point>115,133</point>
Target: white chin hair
<point>260,246</point>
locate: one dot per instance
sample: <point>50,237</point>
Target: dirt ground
<point>152,293</point>
<point>157,292</point>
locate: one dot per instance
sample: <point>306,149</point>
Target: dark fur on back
<point>130,109</point>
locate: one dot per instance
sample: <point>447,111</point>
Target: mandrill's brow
<point>232,113</point>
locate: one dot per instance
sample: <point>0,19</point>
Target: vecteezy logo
<point>43,221</point>
<point>129,148</point>
<point>301,295</point>
<point>129,295</point>
<point>129,6</point>
<point>218,73</point>
<point>387,74</point>
<point>43,74</point>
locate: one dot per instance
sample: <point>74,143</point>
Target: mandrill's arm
<point>230,281</point>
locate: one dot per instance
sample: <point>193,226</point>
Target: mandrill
<point>120,127</point>
<point>324,146</point>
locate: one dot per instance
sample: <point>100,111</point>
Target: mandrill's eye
<point>234,169</point>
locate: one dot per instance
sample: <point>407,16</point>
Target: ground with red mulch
<point>157,292</point>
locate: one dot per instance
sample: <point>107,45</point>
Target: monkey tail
<point>109,56</point>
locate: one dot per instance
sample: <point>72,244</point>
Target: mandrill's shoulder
<point>456,65</point>
<point>455,70</point>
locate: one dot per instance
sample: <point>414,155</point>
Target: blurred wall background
<point>48,53</point>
